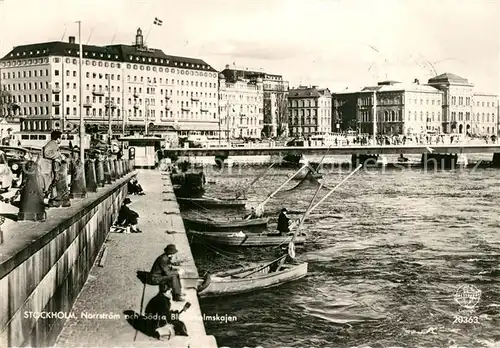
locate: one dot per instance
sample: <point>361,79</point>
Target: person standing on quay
<point>50,166</point>
<point>283,222</point>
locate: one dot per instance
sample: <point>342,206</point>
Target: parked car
<point>5,173</point>
<point>16,158</point>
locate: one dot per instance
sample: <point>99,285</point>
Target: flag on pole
<point>158,21</point>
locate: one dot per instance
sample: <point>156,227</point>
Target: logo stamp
<point>467,296</point>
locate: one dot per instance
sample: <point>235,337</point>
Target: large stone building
<point>131,85</point>
<point>447,104</point>
<point>310,111</point>
<point>465,111</point>
<point>240,108</point>
<point>275,97</point>
<point>401,109</point>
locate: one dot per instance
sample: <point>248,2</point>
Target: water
<point>386,252</point>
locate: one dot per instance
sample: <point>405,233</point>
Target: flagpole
<point>147,35</point>
<point>82,128</point>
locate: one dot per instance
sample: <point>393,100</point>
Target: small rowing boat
<point>251,278</point>
<point>257,225</point>
<point>242,239</point>
<point>208,202</point>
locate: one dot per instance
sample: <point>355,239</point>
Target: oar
<point>261,268</point>
<point>254,181</point>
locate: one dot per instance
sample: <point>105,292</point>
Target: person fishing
<point>128,217</point>
<point>134,188</point>
<point>283,222</point>
<point>165,275</point>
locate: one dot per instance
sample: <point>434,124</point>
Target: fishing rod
<point>291,246</point>
<point>254,180</point>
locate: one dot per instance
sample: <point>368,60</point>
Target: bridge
<point>225,152</point>
<point>444,154</point>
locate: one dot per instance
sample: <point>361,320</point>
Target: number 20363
<point>459,319</point>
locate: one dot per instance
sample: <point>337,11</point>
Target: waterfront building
<point>447,104</point>
<point>310,111</point>
<point>133,87</point>
<point>240,108</point>
<point>275,97</point>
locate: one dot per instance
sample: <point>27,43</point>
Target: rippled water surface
<point>386,252</point>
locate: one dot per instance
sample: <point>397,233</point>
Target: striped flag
<point>158,21</point>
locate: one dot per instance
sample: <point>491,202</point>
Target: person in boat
<point>283,222</point>
<point>127,217</point>
<point>402,158</point>
<point>252,215</point>
<point>134,188</point>
<point>165,275</point>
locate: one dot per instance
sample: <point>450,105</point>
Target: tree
<point>7,106</point>
<point>281,113</point>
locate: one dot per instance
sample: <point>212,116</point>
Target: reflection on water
<point>386,254</point>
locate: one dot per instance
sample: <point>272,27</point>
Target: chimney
<point>416,81</point>
<point>72,40</point>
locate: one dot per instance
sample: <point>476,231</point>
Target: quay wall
<point>44,266</point>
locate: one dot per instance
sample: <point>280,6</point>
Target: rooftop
<point>448,78</point>
<point>309,92</point>
<point>116,53</point>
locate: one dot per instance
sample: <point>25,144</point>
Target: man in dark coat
<point>128,217</point>
<point>283,222</point>
<point>53,172</point>
<point>165,275</point>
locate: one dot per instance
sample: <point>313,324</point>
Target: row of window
<point>309,121</point>
<point>475,118</point>
<point>26,74</point>
<point>309,103</point>
<point>308,112</point>
<point>427,101</point>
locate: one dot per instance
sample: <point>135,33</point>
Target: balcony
<point>185,108</point>
<point>167,107</point>
<point>167,97</point>
<point>56,90</point>
<point>110,105</point>
<point>195,99</point>
<point>136,106</point>
<point>136,95</point>
<point>87,105</point>
<point>56,103</point>
<point>98,92</point>
<point>203,110</point>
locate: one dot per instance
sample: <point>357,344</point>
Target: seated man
<point>164,274</point>
<point>134,188</point>
<point>252,215</point>
<point>283,222</point>
<point>128,217</point>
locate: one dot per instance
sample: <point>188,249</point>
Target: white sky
<point>318,42</point>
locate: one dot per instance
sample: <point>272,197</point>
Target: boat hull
<point>211,203</point>
<point>245,239</point>
<point>234,282</point>
<point>252,225</point>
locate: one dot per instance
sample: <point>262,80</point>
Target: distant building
<point>447,104</point>
<point>310,111</point>
<point>241,108</point>
<point>344,112</point>
<point>465,111</point>
<point>275,96</point>
<point>133,85</point>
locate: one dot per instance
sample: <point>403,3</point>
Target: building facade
<point>240,108</point>
<point>464,111</point>
<point>275,97</point>
<point>344,112</point>
<point>129,86</point>
<point>447,104</point>
<point>310,111</point>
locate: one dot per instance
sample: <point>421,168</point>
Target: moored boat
<point>257,225</point>
<point>242,239</point>
<point>208,202</point>
<point>251,278</point>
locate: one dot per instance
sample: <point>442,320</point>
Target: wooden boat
<point>257,225</point>
<point>208,202</point>
<point>251,278</point>
<point>242,239</point>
